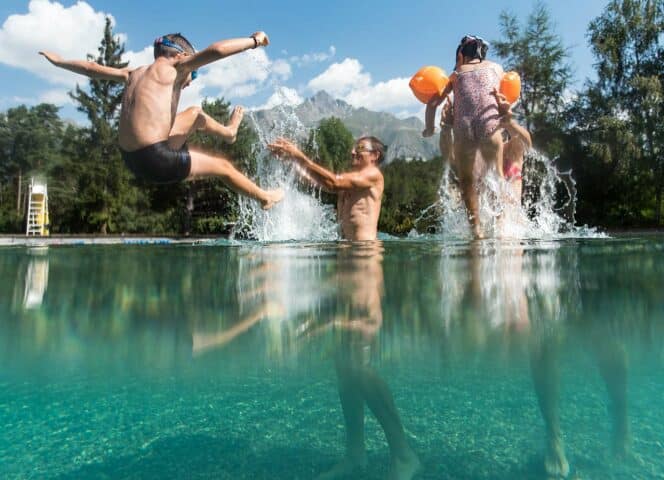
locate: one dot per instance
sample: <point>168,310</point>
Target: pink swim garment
<point>475,109</point>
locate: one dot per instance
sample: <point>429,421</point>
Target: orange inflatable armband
<point>510,86</point>
<point>427,82</point>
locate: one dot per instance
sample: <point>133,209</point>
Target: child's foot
<point>404,468</point>
<point>234,124</point>
<point>555,462</point>
<point>272,197</point>
<point>346,468</point>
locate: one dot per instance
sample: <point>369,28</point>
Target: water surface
<point>226,359</point>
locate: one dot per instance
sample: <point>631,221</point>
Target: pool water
<point>485,360</point>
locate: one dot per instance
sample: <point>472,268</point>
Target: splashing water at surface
<point>541,215</point>
<point>301,215</point>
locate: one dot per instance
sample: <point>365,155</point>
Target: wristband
<point>255,41</point>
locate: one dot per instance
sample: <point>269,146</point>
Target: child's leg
<point>465,160</point>
<point>204,164</point>
<point>492,151</point>
<point>194,119</point>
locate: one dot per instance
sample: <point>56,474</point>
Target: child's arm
<point>221,49</point>
<point>89,69</point>
<point>507,120</point>
<point>430,113</point>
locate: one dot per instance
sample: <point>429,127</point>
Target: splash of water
<point>301,215</point>
<point>547,210</point>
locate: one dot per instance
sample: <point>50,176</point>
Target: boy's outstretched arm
<point>222,49</point>
<point>87,68</point>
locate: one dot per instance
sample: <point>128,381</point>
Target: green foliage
<point>410,187</point>
<point>616,130</point>
<point>330,143</point>
<point>106,201</point>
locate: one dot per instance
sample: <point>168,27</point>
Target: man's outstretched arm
<point>89,69</point>
<point>326,179</point>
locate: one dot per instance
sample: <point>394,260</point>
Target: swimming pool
<point>226,359</point>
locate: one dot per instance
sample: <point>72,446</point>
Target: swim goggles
<point>167,43</point>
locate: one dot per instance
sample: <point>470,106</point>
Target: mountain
<point>403,137</point>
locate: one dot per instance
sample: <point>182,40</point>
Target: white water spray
<point>543,214</point>
<point>301,215</point>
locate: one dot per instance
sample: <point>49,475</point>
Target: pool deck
<point>23,240</point>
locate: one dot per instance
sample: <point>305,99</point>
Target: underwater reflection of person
<point>611,358</point>
<point>360,280</point>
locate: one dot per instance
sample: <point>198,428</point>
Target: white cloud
<point>138,59</point>
<point>57,97</point>
<point>72,32</point>
<point>316,57</point>
<point>341,78</point>
<point>348,81</point>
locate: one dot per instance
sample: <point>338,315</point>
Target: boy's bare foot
<point>236,118</point>
<point>272,197</point>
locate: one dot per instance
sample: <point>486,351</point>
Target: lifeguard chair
<point>38,222</point>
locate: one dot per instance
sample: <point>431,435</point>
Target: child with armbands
<point>476,118</point>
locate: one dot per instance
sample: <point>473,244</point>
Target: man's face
<point>362,154</point>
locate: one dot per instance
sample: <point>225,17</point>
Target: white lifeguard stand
<point>38,221</point>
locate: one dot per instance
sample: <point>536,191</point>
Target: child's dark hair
<point>376,145</point>
<point>473,47</point>
<point>172,44</point>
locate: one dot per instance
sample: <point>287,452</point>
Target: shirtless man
<point>359,190</point>
<point>151,135</point>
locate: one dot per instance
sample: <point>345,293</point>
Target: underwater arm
<point>87,68</point>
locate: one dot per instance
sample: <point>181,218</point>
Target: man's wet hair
<point>172,44</point>
<point>376,145</point>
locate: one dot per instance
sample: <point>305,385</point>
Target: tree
<point>616,119</point>
<point>537,53</point>
<point>107,201</point>
<point>29,141</point>
<point>626,40</point>
<point>330,143</point>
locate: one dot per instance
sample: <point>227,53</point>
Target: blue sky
<point>361,51</point>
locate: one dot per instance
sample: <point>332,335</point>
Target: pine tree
<point>106,199</point>
<point>537,53</point>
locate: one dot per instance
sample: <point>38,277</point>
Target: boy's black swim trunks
<point>159,163</point>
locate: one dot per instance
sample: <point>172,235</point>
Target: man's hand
<point>54,58</point>
<point>261,39</point>
<point>428,132</point>
<point>285,149</point>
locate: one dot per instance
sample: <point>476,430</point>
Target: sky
<point>363,52</point>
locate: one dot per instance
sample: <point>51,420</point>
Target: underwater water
<point>484,360</point>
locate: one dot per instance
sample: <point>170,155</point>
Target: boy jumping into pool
<point>151,136</point>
